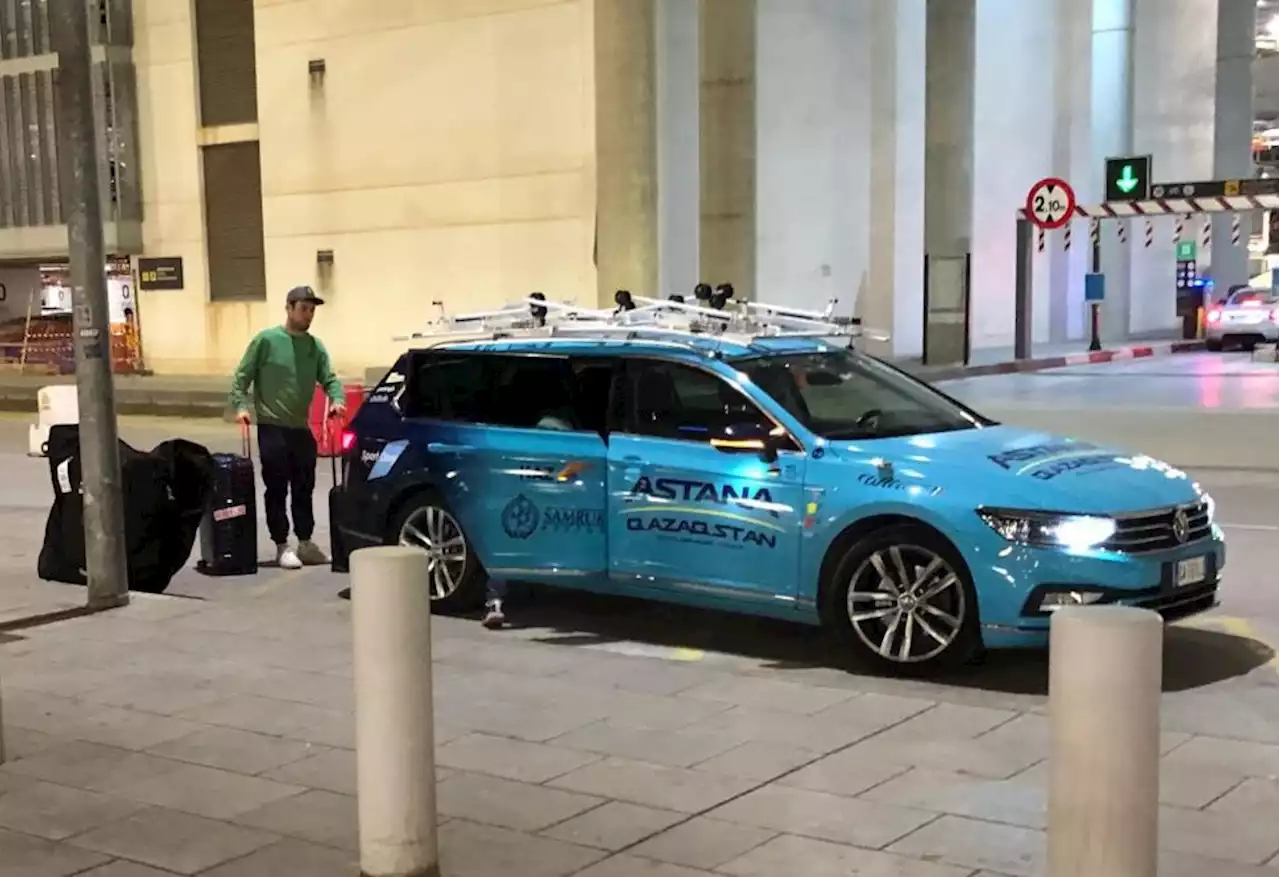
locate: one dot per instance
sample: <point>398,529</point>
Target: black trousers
<point>288,472</point>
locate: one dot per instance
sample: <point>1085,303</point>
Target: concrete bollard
<point>1105,676</point>
<point>395,734</point>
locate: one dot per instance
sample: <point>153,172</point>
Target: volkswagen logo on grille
<point>1181,526</point>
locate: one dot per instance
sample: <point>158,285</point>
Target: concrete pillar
<point>1105,667</point>
<point>678,186</point>
<point>1111,124</point>
<point>892,296</point>
<point>727,167</point>
<point>1073,161</point>
<point>1233,132</point>
<point>948,175</point>
<point>626,148</point>
<point>1173,118</point>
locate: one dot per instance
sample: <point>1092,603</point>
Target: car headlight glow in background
<point>1078,532</point>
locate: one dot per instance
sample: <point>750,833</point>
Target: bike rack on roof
<point>668,321</point>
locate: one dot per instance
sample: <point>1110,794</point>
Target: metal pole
<point>395,726</point>
<point>1105,667</point>
<point>104,543</point>
<point>1022,292</point>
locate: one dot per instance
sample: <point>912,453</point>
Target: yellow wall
<point>448,155</point>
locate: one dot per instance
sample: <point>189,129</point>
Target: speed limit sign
<point>1051,203</point>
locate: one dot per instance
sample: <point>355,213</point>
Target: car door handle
<point>447,448</point>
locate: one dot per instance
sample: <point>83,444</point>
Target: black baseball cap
<point>303,293</point>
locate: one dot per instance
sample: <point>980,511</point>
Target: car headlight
<point>1048,529</point>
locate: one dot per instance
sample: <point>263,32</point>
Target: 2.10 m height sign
<point>1051,203</point>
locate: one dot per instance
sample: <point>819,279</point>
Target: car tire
<point>1213,344</point>
<point>455,576</point>
<point>931,632</point>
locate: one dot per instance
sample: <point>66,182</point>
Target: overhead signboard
<point>1216,188</point>
<point>1128,178</point>
<point>160,273</point>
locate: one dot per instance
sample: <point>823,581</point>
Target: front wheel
<point>1213,344</point>
<point>454,574</point>
<point>903,598</point>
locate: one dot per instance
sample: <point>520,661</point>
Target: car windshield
<point>1257,296</point>
<point>841,394</point>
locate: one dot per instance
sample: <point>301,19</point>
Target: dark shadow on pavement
<point>1193,658</point>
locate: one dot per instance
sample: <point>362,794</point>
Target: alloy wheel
<point>906,604</point>
<point>433,530</point>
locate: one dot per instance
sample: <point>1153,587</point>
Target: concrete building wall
<point>448,156</point>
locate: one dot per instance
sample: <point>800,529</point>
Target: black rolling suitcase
<point>229,530</point>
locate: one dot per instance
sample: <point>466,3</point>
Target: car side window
<point>676,401</point>
<point>525,392</point>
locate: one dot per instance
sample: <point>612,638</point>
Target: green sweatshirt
<point>284,370</point>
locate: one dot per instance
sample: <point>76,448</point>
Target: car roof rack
<point>716,321</point>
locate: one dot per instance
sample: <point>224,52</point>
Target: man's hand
<point>242,417</point>
<point>337,409</point>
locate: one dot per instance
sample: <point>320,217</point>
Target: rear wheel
<point>902,597</point>
<point>454,575</point>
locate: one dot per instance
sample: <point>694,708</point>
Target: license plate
<point>1189,572</point>
<point>1249,317</point>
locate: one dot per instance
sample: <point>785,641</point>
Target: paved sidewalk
<point>212,734</point>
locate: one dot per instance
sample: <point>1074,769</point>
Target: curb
<point>956,372</point>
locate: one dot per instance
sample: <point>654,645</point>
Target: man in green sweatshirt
<point>284,364</point>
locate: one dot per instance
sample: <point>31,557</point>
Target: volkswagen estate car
<point>791,477</point>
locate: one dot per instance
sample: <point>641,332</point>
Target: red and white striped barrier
<point>1170,206</point>
<point>1235,230</point>
<point>1148,235</point>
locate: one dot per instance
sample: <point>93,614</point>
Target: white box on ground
<point>56,405</point>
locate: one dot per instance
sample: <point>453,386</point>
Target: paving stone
<point>971,843</point>
<point>1184,784</point>
<point>508,804</point>
<point>1253,797</point>
<point>824,816</point>
<point>849,772</point>
<point>207,791</point>
<point>121,868</point>
<point>24,856</point>
<point>160,695</point>
<point>298,721</point>
<point>333,771</point>
<point>704,843</point>
<point>791,855</point>
<point>57,812</point>
<point>652,712</point>
<point>666,788</point>
<point>11,782</point>
<point>1237,756</point>
<point>1016,802</point>
<point>240,751</point>
<point>758,761</point>
<point>614,825</point>
<point>174,841</point>
<point>512,759</point>
<point>634,866</point>
<point>672,748</point>
<point>643,675</point>
<point>1219,835</point>
<point>951,737</point>
<point>536,725</point>
<point>130,729</point>
<point>291,858</point>
<point>471,850</point>
<point>325,818</point>
<point>23,742</point>
<point>91,766</point>
<point>1179,864</point>
<point>787,697</point>
<point>874,711</point>
<point>1248,714</point>
<point>818,733</point>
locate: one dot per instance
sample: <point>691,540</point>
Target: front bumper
<point>1011,591</point>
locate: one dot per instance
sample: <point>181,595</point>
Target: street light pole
<point>104,542</point>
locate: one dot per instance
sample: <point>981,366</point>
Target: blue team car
<point>744,458</point>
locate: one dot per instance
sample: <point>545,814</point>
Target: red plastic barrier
<point>327,438</point>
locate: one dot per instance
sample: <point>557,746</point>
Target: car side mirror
<point>747,438</point>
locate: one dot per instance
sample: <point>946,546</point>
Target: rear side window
<point>525,392</point>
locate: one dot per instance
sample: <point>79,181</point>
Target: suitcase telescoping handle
<point>333,428</point>
<point>246,449</point>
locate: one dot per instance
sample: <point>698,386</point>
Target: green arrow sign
<point>1185,251</point>
<point>1127,181</point>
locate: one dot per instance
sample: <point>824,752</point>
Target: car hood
<point>1021,468</point>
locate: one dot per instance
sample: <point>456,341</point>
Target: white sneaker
<point>287,558</point>
<point>311,554</point>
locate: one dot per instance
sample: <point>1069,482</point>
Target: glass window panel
<point>49,133</point>
<point>29,146</point>
<point>7,195</point>
<point>8,29</point>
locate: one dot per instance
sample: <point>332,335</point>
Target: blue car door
<point>522,469</point>
<point>690,516</point>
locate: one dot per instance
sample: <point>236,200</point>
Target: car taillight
<point>348,440</point>
<point>1215,315</point>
